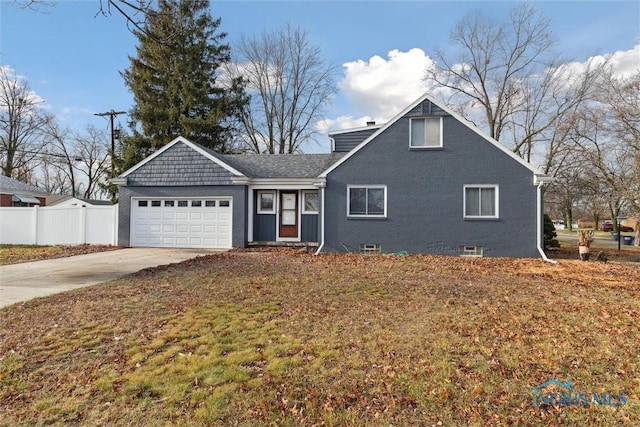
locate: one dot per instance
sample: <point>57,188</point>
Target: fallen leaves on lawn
<point>287,338</point>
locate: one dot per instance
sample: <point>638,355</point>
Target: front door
<point>288,214</point>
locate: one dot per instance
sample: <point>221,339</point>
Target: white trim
<point>496,201</point>
<point>366,186</point>
<point>259,209</point>
<point>190,145</point>
<point>427,97</point>
<point>350,130</point>
<point>425,147</point>
<point>303,193</point>
<point>291,183</point>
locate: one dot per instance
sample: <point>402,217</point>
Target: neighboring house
<point>14,193</point>
<point>425,182</point>
<point>75,201</point>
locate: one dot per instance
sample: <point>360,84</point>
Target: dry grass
<point>282,338</point>
<point>15,254</point>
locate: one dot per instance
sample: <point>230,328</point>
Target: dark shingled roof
<point>13,185</point>
<point>279,165</point>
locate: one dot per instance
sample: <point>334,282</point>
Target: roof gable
<point>196,147</point>
<point>438,110</point>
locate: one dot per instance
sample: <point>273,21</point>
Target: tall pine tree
<point>173,81</point>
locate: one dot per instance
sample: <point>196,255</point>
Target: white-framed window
<point>471,251</point>
<point>310,202</point>
<point>367,201</point>
<point>266,202</point>
<point>481,201</point>
<point>425,132</point>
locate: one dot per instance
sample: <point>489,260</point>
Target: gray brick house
<point>425,182</point>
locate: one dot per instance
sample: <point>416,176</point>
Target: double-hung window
<point>367,201</point>
<point>481,201</point>
<point>426,132</point>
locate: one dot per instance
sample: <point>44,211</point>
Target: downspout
<point>321,220</point>
<point>539,224</point>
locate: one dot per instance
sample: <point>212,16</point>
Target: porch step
<point>283,244</point>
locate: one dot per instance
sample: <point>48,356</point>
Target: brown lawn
<point>15,254</point>
<point>283,338</point>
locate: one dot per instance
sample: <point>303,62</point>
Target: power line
<point>111,115</point>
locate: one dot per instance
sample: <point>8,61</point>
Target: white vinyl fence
<point>73,225</point>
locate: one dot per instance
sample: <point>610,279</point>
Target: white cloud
<point>380,88</point>
<point>626,62</point>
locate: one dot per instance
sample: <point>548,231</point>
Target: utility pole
<point>111,115</point>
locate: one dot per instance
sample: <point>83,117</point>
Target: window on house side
<point>266,202</point>
<point>426,132</point>
<point>481,201</point>
<point>311,202</point>
<point>367,201</point>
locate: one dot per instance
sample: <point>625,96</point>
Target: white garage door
<point>181,223</point>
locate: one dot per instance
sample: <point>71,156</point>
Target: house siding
<point>177,166</point>
<point>348,141</point>
<point>425,194</point>
<point>237,193</point>
<point>264,228</point>
<point>309,228</point>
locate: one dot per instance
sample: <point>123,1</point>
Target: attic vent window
<point>471,251</point>
<point>370,248</point>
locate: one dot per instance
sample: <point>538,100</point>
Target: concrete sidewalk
<point>21,282</point>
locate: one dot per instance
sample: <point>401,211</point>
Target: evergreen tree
<point>550,234</point>
<point>173,81</point>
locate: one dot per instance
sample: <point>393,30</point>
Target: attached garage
<point>194,222</point>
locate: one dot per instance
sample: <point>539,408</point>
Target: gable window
<point>266,202</point>
<point>426,132</point>
<point>481,201</point>
<point>367,201</point>
<point>310,202</point>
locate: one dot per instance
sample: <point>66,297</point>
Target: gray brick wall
<point>425,195</point>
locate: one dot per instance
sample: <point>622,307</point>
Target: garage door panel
<point>181,223</point>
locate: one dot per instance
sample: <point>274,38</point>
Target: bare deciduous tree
<point>507,79</point>
<point>59,154</point>
<point>92,151</point>
<point>21,125</point>
<point>493,61</point>
<point>289,84</point>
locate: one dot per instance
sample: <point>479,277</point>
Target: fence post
<point>83,225</point>
<point>115,224</point>
<point>35,224</point>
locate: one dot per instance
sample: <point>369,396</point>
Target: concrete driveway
<point>21,282</point>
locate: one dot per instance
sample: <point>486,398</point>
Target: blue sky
<point>72,58</point>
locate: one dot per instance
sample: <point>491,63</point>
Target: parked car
<point>608,226</point>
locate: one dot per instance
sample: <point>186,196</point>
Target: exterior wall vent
<point>471,251</point>
<point>370,248</point>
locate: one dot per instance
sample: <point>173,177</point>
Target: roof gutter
<point>540,222</point>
